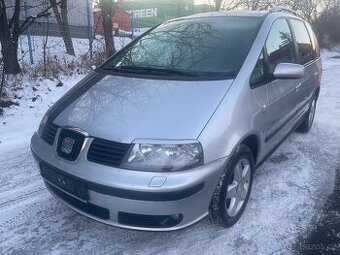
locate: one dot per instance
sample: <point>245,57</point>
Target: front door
<point>281,93</point>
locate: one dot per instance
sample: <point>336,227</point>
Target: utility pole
<point>89,26</point>
<point>29,33</point>
<point>132,25</point>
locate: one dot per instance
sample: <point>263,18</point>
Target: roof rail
<point>283,9</point>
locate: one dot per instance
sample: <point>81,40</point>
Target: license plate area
<point>66,183</point>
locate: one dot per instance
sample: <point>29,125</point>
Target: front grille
<point>94,210</point>
<point>106,152</point>
<point>149,221</point>
<point>70,144</point>
<point>49,133</point>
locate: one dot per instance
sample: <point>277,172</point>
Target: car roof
<point>225,14</point>
<point>255,14</point>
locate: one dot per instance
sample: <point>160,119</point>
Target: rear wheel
<point>232,193</point>
<point>307,123</point>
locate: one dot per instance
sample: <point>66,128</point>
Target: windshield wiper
<point>154,70</point>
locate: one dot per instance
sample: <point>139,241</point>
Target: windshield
<point>207,46</point>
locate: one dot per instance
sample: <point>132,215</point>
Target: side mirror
<point>289,71</point>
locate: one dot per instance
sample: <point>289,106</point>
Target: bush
<point>327,26</point>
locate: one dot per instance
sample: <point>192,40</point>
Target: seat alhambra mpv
<point>172,127</point>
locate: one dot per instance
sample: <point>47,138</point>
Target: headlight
<point>168,156</point>
<point>42,125</point>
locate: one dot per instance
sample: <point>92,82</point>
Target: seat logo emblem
<point>67,145</point>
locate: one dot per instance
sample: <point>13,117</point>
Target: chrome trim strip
<point>74,129</point>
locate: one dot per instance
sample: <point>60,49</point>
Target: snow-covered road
<point>289,191</point>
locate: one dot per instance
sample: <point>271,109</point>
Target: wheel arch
<point>317,93</point>
<point>252,142</point>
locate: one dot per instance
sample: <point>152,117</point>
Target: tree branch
<point>4,31</point>
<point>2,80</point>
<point>30,20</point>
<point>15,18</point>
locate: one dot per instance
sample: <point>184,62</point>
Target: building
<point>129,14</point>
<point>80,16</point>
<point>148,13</point>
<point>121,21</point>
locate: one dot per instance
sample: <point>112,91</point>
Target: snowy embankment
<point>35,96</point>
<point>289,191</point>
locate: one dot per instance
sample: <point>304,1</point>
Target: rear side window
<point>280,44</point>
<point>315,43</point>
<point>303,40</point>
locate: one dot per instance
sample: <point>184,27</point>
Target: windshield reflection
<point>206,46</point>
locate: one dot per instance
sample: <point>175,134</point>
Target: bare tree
<point>258,4</point>
<point>327,25</point>
<point>2,81</point>
<point>218,4</point>
<point>107,10</point>
<point>63,24</point>
<point>309,9</point>
<point>10,30</point>
<point>227,5</point>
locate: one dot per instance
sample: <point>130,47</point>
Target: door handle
<point>298,86</point>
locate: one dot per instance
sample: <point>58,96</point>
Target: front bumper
<point>132,199</point>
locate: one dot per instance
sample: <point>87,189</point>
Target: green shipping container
<point>148,13</point>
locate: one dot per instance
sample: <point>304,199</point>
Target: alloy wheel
<point>238,188</point>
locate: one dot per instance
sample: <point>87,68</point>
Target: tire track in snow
<point>20,186</point>
<point>24,196</point>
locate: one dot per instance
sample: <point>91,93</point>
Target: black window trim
<point>265,75</point>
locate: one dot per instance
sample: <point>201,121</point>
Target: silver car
<point>173,126</point>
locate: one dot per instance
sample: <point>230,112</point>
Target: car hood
<point>123,109</point>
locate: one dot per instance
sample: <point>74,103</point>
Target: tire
<point>224,207</point>
<point>307,123</point>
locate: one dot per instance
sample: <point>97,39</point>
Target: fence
<point>85,20</point>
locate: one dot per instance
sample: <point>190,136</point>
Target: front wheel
<point>232,192</point>
<point>307,123</point>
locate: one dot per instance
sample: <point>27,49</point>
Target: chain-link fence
<point>85,22</point>
<point>43,46</point>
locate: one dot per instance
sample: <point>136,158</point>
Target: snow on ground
<point>289,190</point>
<point>19,122</point>
<point>56,49</point>
<point>36,96</point>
